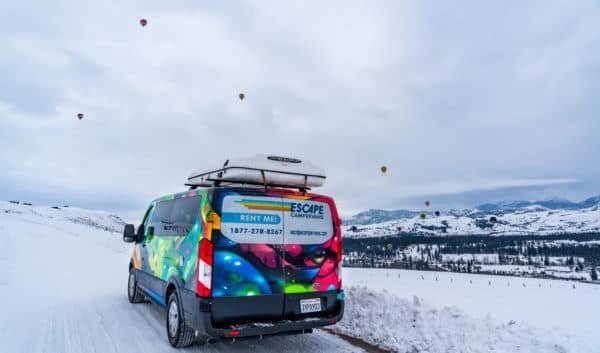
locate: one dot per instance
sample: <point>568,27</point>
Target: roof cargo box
<point>262,170</point>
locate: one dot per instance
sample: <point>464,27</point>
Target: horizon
<point>344,216</point>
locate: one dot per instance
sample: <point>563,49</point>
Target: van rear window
<point>274,220</point>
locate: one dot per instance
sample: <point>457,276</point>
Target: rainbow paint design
<point>246,268</point>
<point>265,205</point>
<point>249,268</point>
<point>174,255</point>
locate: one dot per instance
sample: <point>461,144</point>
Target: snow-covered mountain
<point>377,216</point>
<point>505,218</point>
<point>553,204</point>
<point>95,219</point>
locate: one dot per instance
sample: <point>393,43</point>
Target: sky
<point>465,102</point>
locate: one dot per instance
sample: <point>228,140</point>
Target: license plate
<point>310,305</point>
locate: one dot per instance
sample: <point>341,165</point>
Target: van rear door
<point>248,276</point>
<point>274,256</point>
<point>312,245</point>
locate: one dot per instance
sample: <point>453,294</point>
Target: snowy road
<point>63,289</point>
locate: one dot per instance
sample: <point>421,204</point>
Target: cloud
<point>451,98</point>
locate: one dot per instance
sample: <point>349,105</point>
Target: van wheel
<point>133,291</point>
<point>179,333</point>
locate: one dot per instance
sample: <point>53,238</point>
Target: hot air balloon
<point>353,229</point>
<point>427,203</point>
<point>79,116</point>
<point>390,247</point>
<point>423,215</point>
<point>493,219</point>
<point>143,22</point>
<point>437,213</point>
<point>399,228</point>
<point>241,95</point>
<point>383,169</point>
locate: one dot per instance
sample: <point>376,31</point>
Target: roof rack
<point>267,171</point>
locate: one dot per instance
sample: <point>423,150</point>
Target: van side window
<point>184,214</point>
<point>161,217</point>
<point>175,217</point>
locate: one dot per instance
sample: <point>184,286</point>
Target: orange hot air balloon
<point>143,22</point>
<point>79,116</point>
<point>383,169</point>
<point>242,96</point>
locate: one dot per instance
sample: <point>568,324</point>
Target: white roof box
<point>262,170</point>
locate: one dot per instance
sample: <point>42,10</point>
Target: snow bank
<point>401,325</point>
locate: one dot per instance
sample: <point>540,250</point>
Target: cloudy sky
<point>465,102</point>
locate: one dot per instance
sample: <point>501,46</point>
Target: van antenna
<point>305,185</point>
<point>264,178</point>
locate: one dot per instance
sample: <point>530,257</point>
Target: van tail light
<point>205,262</point>
<point>338,254</point>
<point>338,241</point>
<point>339,264</point>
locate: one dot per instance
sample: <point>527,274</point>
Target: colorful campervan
<point>247,251</point>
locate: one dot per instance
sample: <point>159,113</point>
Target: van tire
<point>179,333</point>
<point>134,294</point>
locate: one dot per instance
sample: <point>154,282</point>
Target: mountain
<point>553,204</point>
<point>100,220</point>
<point>552,216</point>
<point>377,216</point>
<point>591,202</point>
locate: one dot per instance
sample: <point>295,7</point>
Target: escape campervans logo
<point>270,220</point>
<point>307,210</point>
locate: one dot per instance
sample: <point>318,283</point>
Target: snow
<point>478,258</point>
<point>63,289</point>
<point>541,311</point>
<point>566,272</point>
<point>410,325</point>
<point>48,215</point>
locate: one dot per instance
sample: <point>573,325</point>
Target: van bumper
<point>200,320</point>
